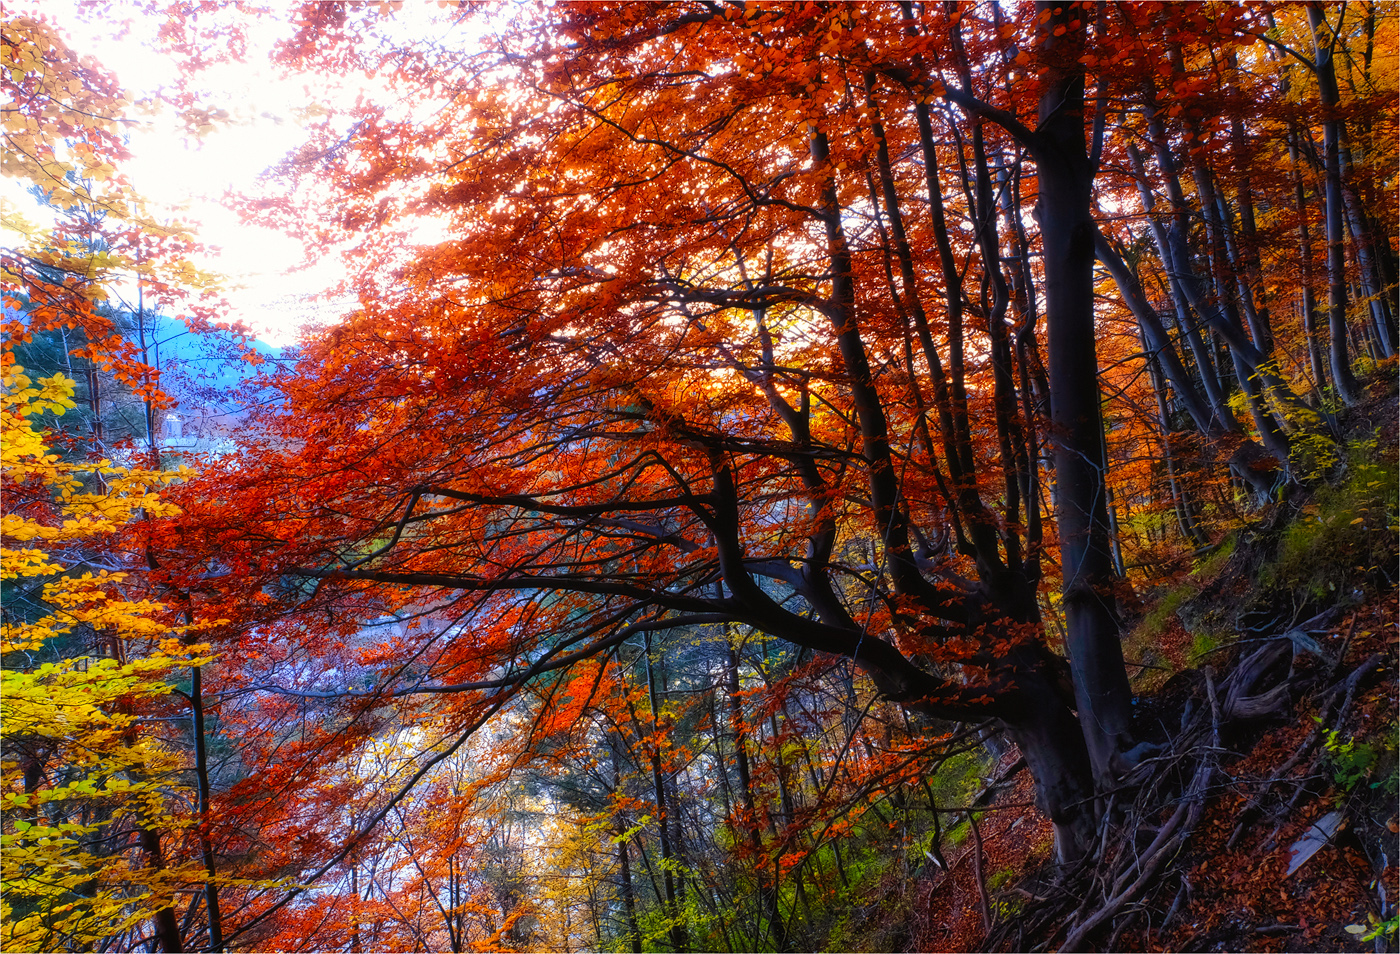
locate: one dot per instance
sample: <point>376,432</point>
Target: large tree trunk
<point>1049,736</point>
<point>1066,755</point>
<point>1067,237</point>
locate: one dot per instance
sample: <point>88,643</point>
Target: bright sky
<point>189,179</point>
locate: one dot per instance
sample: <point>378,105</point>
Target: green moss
<point>959,778</point>
<point>1212,563</point>
<point>1155,622</point>
<point>959,832</point>
<point>1000,879</point>
<point>1346,535</point>
<point>1204,643</point>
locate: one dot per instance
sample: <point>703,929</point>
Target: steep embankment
<point>1266,821</point>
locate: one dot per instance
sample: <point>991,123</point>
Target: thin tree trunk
<point>206,846</point>
<point>1167,250</point>
<point>1309,300</point>
<point>1185,282</point>
<point>1250,277</point>
<point>1186,518</point>
<point>1270,432</point>
<point>629,902</point>
<point>1368,270</point>
<point>1156,341</point>
<point>1348,390</point>
<point>767,893</point>
<point>1222,266</point>
<point>668,863</point>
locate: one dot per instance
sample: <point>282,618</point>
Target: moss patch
<point>1346,536</point>
<point>1213,562</point>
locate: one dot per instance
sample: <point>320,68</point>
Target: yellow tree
<point>87,790</point>
<point>91,803</point>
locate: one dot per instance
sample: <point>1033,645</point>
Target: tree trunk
<point>1368,270</point>
<point>1066,756</point>
<point>1155,338</point>
<point>1185,517</point>
<point>206,845</point>
<point>767,893</point>
<point>1250,278</point>
<point>1185,284</point>
<point>167,929</point>
<point>668,862</point>
<point>1067,237</point>
<point>1342,378</point>
<point>1051,739</point>
<point>1309,299</point>
<point>629,902</point>
<point>1178,273</point>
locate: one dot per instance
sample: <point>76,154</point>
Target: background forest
<point>874,476</point>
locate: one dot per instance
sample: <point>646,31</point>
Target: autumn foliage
<point>754,416</point>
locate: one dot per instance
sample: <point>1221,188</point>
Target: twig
<point>1251,811</point>
<point>1171,837</point>
<point>1181,894</point>
<point>1118,931</point>
<point>1353,680</point>
<point>977,873</point>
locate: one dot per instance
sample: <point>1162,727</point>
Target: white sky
<point>187,180</point>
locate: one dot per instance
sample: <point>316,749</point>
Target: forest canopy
<point>763,431</point>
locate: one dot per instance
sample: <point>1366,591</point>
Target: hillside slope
<point>1265,819</point>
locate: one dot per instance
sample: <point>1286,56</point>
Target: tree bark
<point>1368,271</point>
<point>1347,388</point>
<point>1168,250</point>
<point>1065,771</point>
<point>167,929</point>
<point>677,931</point>
<point>629,902</point>
<point>1309,300</point>
<point>1250,277</point>
<point>206,845</point>
<point>1067,235</point>
<point>1155,338</point>
<point>1181,502</point>
<point>767,894</point>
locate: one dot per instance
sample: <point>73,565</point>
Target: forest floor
<point>1291,843</point>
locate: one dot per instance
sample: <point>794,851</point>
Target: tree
<point>96,834</point>
<point>736,328</point>
<point>702,266</point>
<point>86,791</point>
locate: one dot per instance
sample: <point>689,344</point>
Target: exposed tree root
<point>1149,821</point>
